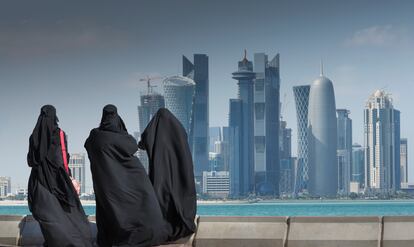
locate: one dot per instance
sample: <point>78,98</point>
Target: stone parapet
<point>388,231</point>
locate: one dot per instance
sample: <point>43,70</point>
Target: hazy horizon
<point>80,56</point>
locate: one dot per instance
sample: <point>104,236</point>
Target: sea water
<point>296,208</point>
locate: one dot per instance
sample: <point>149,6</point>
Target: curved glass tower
<point>301,94</point>
<point>322,127</point>
<point>179,94</point>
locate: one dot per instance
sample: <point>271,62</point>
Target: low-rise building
<point>216,184</point>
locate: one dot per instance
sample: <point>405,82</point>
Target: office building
<point>382,142</point>
<point>179,97</point>
<point>301,94</point>
<point>216,162</point>
<point>5,186</point>
<point>404,160</point>
<point>150,103</point>
<point>241,123</point>
<point>214,136</point>
<point>358,165</point>
<point>266,124</point>
<point>216,184</point>
<point>222,148</point>
<point>322,137</point>
<point>344,150</point>
<point>77,167</point>
<point>199,143</point>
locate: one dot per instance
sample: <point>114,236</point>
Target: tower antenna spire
<point>321,67</point>
<point>245,57</point>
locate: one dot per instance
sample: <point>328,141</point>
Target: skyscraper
<point>237,170</point>
<point>358,165</point>
<point>266,123</point>
<point>198,71</point>
<point>150,103</point>
<point>382,142</point>
<point>77,167</point>
<point>404,160</point>
<point>301,94</point>
<point>287,169</point>
<point>179,96</point>
<point>322,136</point>
<point>344,150</point>
<point>5,186</point>
<point>214,135</point>
<point>241,120</point>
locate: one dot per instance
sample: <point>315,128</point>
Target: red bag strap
<point>64,153</point>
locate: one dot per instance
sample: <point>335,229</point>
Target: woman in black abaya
<point>52,197</point>
<point>129,210</point>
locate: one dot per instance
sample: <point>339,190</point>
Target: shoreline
<point>240,202</point>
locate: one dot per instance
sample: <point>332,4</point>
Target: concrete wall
<point>389,231</point>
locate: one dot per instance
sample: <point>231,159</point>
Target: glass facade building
<point>344,150</point>
<point>245,118</point>
<point>150,103</point>
<point>199,142</point>
<point>301,94</point>
<point>266,124</point>
<point>179,97</point>
<point>358,165</point>
<point>382,142</point>
<point>404,160</point>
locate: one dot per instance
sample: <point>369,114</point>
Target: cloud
<point>378,36</point>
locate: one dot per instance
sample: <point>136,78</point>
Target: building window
<point>259,143</point>
<point>259,109</point>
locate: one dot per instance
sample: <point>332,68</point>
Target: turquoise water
<point>281,209</point>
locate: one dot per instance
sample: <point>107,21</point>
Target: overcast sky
<point>81,55</point>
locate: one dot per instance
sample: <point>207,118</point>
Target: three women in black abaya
<point>132,208</point>
<point>52,198</point>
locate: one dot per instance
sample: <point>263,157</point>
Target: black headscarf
<point>111,121</point>
<point>45,157</point>
<point>127,209</point>
<point>171,171</point>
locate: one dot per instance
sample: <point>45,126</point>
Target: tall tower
<point>198,71</point>
<point>287,169</point>
<point>382,141</point>
<point>404,160</point>
<point>150,103</point>
<point>344,150</point>
<point>179,97</point>
<point>244,109</point>
<point>236,168</point>
<point>301,94</point>
<point>323,179</point>
<point>266,124</point>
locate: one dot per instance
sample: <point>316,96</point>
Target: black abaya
<point>171,172</point>
<point>52,198</point>
<point>127,209</point>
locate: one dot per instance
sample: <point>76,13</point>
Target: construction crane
<point>283,106</point>
<point>148,79</point>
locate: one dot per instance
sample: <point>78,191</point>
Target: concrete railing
<point>386,231</point>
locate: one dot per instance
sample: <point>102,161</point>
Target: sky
<point>81,55</point>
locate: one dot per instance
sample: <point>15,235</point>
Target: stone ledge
<point>389,231</point>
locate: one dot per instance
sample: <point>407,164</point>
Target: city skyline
<point>67,59</point>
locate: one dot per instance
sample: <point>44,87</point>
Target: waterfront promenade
<point>387,231</point>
